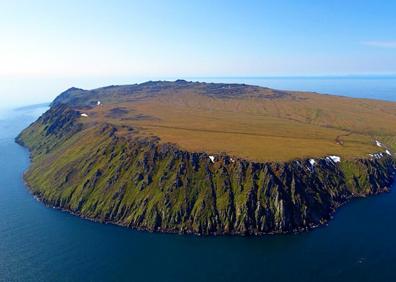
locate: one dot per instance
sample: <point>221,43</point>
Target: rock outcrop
<point>138,182</point>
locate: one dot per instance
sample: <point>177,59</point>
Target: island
<point>209,158</point>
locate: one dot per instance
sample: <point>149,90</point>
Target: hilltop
<point>251,122</point>
<point>209,157</point>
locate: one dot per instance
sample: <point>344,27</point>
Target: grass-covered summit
<point>209,158</point>
<point>251,122</point>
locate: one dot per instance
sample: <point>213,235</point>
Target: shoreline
<point>175,232</point>
<point>324,223</point>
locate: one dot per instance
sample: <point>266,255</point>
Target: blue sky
<point>197,38</point>
<point>53,39</point>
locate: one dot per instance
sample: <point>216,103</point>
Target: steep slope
<point>111,165</point>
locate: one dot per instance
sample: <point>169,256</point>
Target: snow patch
<point>232,160</point>
<point>311,166</point>
<point>388,152</point>
<point>378,143</point>
<point>334,159</point>
<point>98,103</point>
<point>377,155</point>
<point>84,115</point>
<point>212,159</point>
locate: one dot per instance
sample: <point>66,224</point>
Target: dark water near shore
<point>43,244</point>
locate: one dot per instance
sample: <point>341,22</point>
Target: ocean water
<point>373,87</point>
<point>42,244</point>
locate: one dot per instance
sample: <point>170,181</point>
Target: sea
<point>38,243</point>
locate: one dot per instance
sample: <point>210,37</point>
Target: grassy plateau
<point>255,123</point>
<point>209,158</point>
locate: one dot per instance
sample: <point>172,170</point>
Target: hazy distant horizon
<point>50,46</point>
<point>17,92</point>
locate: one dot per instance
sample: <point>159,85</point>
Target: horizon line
<point>164,77</point>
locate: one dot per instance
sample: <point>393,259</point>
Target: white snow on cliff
<point>335,159</point>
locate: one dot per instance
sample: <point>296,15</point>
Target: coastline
<point>104,169</point>
<point>309,228</point>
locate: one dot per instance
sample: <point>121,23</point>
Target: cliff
<point>97,171</point>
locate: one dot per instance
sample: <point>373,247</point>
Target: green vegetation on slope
<point>115,172</point>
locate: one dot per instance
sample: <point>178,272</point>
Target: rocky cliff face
<point>142,183</point>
